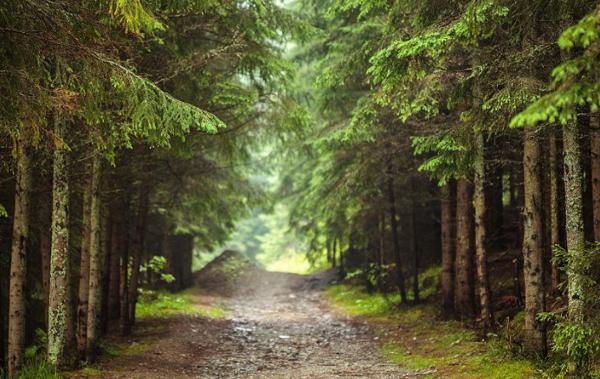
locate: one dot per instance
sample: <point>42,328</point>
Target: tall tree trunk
<point>18,260</point>
<point>116,252</point>
<point>167,252</point>
<point>448,248</point>
<point>595,145</point>
<point>396,240</point>
<point>533,243</point>
<point>124,284</point>
<point>187,254</point>
<point>45,249</point>
<point>554,205</point>
<point>136,251</point>
<point>479,202</point>
<point>84,265</point>
<point>379,260</point>
<point>95,280</point>
<point>333,254</point>
<point>60,318</point>
<point>342,261</point>
<point>105,245</point>
<point>464,292</point>
<point>573,178</point>
<point>412,230</point>
<point>44,215</point>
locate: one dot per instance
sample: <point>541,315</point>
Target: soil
<point>277,326</point>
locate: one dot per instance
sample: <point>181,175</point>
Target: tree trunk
<point>554,205</point>
<point>45,248</point>
<point>105,245</point>
<point>396,241</point>
<point>95,280</point>
<point>116,252</point>
<point>60,318</point>
<point>187,259</point>
<point>595,157</point>
<point>380,251</point>
<point>412,230</point>
<point>479,202</point>
<point>124,285</point>
<point>573,178</point>
<point>136,251</point>
<point>448,249</point>
<point>43,229</point>
<point>84,266</point>
<point>533,243</point>
<point>464,292</point>
<point>18,261</point>
<point>167,252</point>
<point>333,254</point>
<point>342,261</point>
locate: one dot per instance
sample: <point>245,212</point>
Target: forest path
<point>277,326</point>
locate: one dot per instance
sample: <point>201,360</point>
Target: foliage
<point>157,265</point>
<point>575,81</point>
<point>576,342</point>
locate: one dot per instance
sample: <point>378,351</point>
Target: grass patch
<point>414,338</point>
<point>357,302</point>
<point>84,373</point>
<point>120,349</point>
<point>394,353</point>
<point>37,369</point>
<point>163,305</point>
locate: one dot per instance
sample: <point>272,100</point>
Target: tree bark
<point>116,252</point>
<point>573,178</point>
<point>95,280</point>
<point>136,252</point>
<point>60,318</point>
<point>479,202</point>
<point>124,285</point>
<point>45,249</point>
<point>333,253</point>
<point>448,248</point>
<point>554,205</point>
<point>464,292</point>
<point>533,241</point>
<point>413,247</point>
<point>84,265</point>
<point>18,261</point>
<point>396,241</point>
<point>595,157</point>
<point>167,252</point>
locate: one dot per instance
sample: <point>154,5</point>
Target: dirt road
<point>277,326</point>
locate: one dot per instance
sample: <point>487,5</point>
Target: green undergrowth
<point>416,339</point>
<point>163,305</point>
<point>36,369</point>
<point>125,349</point>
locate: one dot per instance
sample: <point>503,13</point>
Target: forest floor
<point>278,325</point>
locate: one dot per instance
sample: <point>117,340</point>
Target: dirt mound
<point>225,274</point>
